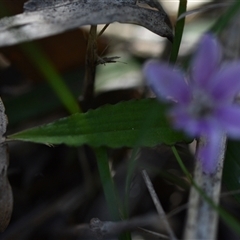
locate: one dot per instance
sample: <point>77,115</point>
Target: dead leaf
<point>43,18</point>
<point>6,198</point>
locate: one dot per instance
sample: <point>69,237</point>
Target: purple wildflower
<point>204,103</point>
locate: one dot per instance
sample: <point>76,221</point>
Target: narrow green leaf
<point>178,32</point>
<point>131,123</point>
<point>109,187</point>
<point>107,182</point>
<point>45,66</point>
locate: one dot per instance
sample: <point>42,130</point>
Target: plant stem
<point>91,62</point>
<point>202,219</point>
<point>109,187</point>
<point>229,220</point>
<point>178,32</point>
<point>107,182</point>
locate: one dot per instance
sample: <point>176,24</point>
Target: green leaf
<point>231,170</point>
<point>131,123</point>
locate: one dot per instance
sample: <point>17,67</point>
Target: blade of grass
<point>130,171</point>
<point>109,187</point>
<point>131,166</point>
<point>107,182</point>
<point>178,31</point>
<point>42,62</point>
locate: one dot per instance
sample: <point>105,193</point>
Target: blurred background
<point>57,188</point>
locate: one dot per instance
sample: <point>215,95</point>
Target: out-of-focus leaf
<point>6,198</point>
<point>131,123</point>
<point>23,107</point>
<point>222,22</point>
<point>231,170</point>
<point>46,18</point>
<point>54,79</point>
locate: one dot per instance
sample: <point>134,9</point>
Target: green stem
<point>178,32</point>
<point>130,171</point>
<point>109,187</point>
<point>181,164</point>
<point>107,181</point>
<point>41,61</point>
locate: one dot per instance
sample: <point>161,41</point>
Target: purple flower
<point>203,103</point>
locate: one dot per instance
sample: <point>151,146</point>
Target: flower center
<point>201,105</point>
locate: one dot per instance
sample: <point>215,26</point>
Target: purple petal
<point>180,118</point>
<point>226,83</point>
<point>229,117</point>
<point>166,83</point>
<point>208,152</point>
<point>207,128</point>
<point>206,60</point>
<point>192,126</point>
<point>197,127</point>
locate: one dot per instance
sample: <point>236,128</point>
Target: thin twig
<point>177,210</point>
<point>230,193</point>
<point>98,229</point>
<point>103,30</point>
<point>158,205</point>
<point>91,62</point>
<point>162,236</point>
